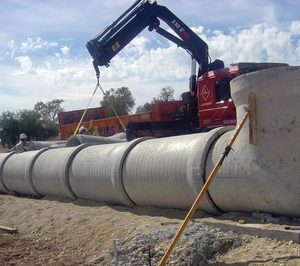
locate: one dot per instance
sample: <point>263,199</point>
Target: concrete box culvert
<point>96,173</point>
<point>266,176</point>
<point>51,171</point>
<point>78,139</point>
<point>17,172</point>
<point>3,159</point>
<point>168,172</point>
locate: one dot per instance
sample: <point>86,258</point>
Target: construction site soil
<point>55,231</point>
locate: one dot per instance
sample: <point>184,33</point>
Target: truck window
<point>223,90</point>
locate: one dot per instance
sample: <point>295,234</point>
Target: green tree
<point>50,109</point>
<point>9,129</point>
<point>30,122</point>
<point>166,94</point>
<point>144,108</point>
<point>47,130</point>
<point>12,124</point>
<point>120,99</point>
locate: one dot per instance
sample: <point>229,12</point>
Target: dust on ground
<point>56,231</point>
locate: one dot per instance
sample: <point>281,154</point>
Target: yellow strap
<point>76,130</point>
<point>123,126</point>
<point>98,86</point>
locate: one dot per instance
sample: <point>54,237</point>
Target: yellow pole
<point>202,192</point>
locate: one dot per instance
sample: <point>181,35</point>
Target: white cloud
<point>14,48</point>
<point>65,50</point>
<point>259,43</point>
<point>144,70</point>
<point>11,49</point>
<point>140,43</point>
<point>37,44</point>
<point>295,27</point>
<point>11,44</point>
<point>25,64</point>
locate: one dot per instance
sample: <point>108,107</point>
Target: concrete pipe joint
<point>3,159</point>
<point>168,172</point>
<point>17,172</point>
<point>51,171</point>
<point>265,176</point>
<point>96,172</point>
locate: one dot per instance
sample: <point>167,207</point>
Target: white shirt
<point>21,146</point>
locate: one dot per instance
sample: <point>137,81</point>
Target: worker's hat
<point>23,136</point>
<point>82,130</point>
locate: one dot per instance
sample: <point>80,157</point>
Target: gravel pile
<point>197,246</point>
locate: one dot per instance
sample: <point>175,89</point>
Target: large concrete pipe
<point>265,176</point>
<point>96,173</point>
<point>3,159</point>
<point>168,172</point>
<point>37,145</point>
<point>78,139</point>
<point>50,173</point>
<point>17,172</point>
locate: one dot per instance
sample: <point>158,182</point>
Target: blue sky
<point>43,54</point>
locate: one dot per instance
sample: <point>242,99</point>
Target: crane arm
<point>142,14</point>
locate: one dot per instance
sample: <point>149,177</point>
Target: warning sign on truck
<point>205,93</point>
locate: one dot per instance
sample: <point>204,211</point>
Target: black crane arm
<point>104,46</point>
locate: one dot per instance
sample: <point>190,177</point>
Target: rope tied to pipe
<point>227,150</point>
<point>98,86</point>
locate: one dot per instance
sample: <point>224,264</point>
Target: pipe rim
<point>117,178</point>
<point>2,184</point>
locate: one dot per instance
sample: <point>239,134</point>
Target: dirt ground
<point>53,231</point>
<point>3,149</point>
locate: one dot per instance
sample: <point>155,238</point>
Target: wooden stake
<point>9,230</point>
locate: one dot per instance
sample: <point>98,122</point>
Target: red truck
<point>207,104</point>
<point>97,121</point>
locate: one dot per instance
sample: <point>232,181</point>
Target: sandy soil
<point>3,149</point>
<point>55,231</point>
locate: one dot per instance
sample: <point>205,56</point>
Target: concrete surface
<point>50,173</point>
<point>167,172</point>
<point>96,173</point>
<point>266,176</point>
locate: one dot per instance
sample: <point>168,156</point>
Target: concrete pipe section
<point>78,139</point>
<point>168,172</point>
<point>50,173</point>
<point>37,145</point>
<point>3,159</point>
<point>96,172</point>
<point>265,176</point>
<point>17,172</point>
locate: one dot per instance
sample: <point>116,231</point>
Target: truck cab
<point>215,106</point>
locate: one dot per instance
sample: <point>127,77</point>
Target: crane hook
<point>96,67</point>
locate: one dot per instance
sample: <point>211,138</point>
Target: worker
<point>82,130</point>
<point>22,145</point>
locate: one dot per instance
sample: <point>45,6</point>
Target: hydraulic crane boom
<point>140,15</point>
